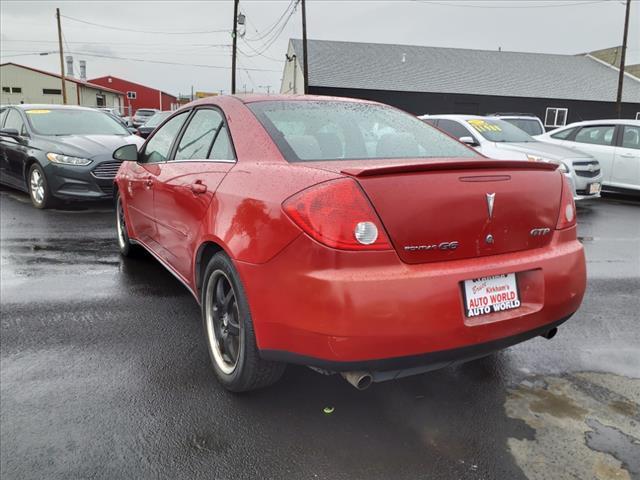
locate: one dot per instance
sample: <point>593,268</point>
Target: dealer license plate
<point>594,188</point>
<point>491,294</point>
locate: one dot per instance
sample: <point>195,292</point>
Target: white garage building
<point>22,84</point>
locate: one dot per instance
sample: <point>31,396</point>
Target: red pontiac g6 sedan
<point>348,236</point>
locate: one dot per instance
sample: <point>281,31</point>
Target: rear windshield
<point>145,113</point>
<point>74,122</point>
<point>310,130</point>
<point>499,131</point>
<point>529,125</point>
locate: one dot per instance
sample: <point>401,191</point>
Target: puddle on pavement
<point>587,426</point>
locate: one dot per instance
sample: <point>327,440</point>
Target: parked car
<point>614,143</point>
<point>524,121</point>
<point>121,121</point>
<point>142,115</point>
<point>496,138</point>
<point>56,152</point>
<point>348,236</point>
<point>152,123</point>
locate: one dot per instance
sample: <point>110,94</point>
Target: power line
<point>159,32</point>
<point>275,35</point>
<point>511,6</point>
<point>145,60</point>
<point>273,26</point>
<point>221,45</point>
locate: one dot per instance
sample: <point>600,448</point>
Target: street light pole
<point>305,61</point>
<point>622,60</point>
<point>64,87</point>
<point>235,42</point>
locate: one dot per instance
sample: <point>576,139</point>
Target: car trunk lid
<point>451,209</point>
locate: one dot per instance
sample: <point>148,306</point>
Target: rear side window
<point>596,134</point>
<point>563,134</point>
<point>199,134</point>
<point>631,137</point>
<point>159,146</point>
<point>311,130</point>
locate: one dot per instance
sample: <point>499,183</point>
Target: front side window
<point>596,134</point>
<point>14,121</point>
<point>496,130</point>
<point>335,130</point>
<point>555,117</point>
<point>157,119</point>
<point>454,128</point>
<point>199,134</point>
<point>71,121</point>
<point>159,146</point>
<point>631,137</point>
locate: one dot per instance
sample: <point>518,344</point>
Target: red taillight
<point>337,214</point>
<point>567,215</point>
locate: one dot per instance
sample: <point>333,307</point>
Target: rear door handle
<point>148,182</point>
<point>198,187</point>
<point>628,155</point>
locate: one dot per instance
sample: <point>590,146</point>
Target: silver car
<point>495,138</point>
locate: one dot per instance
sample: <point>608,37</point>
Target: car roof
<point>50,106</point>
<point>614,121</point>
<point>452,116</point>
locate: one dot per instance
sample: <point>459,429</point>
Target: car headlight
<point>562,167</point>
<point>67,160</point>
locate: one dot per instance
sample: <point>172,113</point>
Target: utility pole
<point>622,60</point>
<point>64,87</point>
<point>305,62</point>
<point>235,42</point>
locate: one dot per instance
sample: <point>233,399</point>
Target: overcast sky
<point>550,26</point>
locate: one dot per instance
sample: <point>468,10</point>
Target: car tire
<point>126,247</point>
<point>38,188</point>
<point>229,331</point>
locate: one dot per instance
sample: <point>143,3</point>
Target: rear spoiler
<point>456,164</point>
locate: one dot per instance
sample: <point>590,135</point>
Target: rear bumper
<point>352,309</point>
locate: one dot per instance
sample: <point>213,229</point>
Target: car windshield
<point>157,119</point>
<point>529,125</point>
<point>73,122</point>
<point>322,130</point>
<point>500,131</point>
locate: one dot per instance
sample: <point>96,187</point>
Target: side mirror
<point>126,153</point>
<point>132,130</point>
<point>468,141</point>
<point>9,132</point>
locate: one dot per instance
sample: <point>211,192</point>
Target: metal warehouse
<point>22,84</point>
<point>559,89</point>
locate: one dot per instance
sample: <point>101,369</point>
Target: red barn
<point>137,95</point>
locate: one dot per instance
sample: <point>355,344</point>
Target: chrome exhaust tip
<point>360,380</point>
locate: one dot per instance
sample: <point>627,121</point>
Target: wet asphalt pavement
<point>104,374</point>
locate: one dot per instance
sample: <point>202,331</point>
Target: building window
<point>51,91</point>
<point>555,117</point>
<point>12,89</point>
<point>131,95</point>
<point>6,89</point>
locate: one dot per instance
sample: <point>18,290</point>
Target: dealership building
<point>559,89</point>
<point>22,84</point>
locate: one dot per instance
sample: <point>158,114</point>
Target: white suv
<point>614,143</point>
<point>495,138</point>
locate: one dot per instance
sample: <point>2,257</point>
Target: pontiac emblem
<point>490,199</point>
